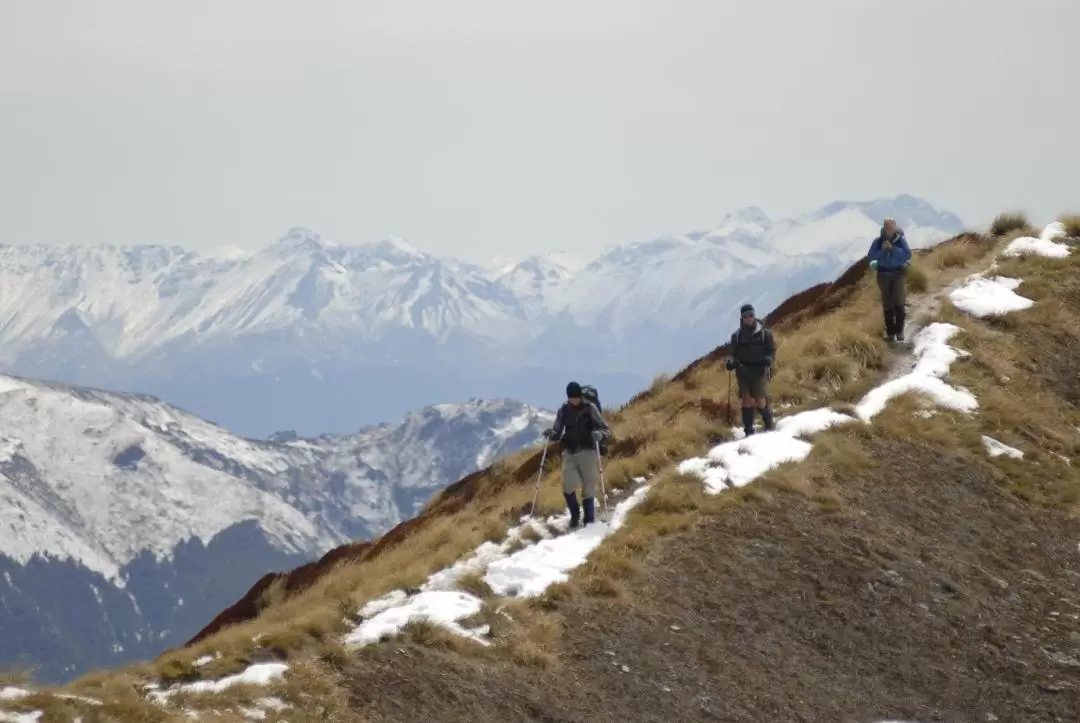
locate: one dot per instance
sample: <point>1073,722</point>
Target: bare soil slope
<point>785,610</point>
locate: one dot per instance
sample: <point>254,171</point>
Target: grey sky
<point>478,127</point>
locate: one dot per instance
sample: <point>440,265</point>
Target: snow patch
<point>933,357</point>
<point>441,607</point>
<point>257,674</point>
<point>994,448</point>
<point>529,572</point>
<point>983,297</point>
<point>32,717</point>
<point>1044,245</point>
<point>737,463</point>
<point>525,573</point>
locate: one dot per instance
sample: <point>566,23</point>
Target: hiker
<point>890,256</point>
<point>581,427</point>
<point>751,355</point>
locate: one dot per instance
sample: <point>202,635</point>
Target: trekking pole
<point>730,411</point>
<point>539,476</point>
<point>603,490</point>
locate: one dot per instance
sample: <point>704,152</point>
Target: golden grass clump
<point>1008,222</point>
<point>1071,222</point>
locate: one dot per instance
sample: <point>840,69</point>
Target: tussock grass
<point>16,676</point>
<point>473,583</point>
<point>958,255</point>
<point>1008,222</point>
<point>1071,221</point>
<point>917,280</point>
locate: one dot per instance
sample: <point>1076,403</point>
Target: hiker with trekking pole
<point>890,257</point>
<point>751,355</point>
<point>581,430</point>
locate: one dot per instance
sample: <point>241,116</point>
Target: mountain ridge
<point>339,336</point>
<point>149,519</point>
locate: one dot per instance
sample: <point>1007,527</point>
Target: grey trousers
<point>893,288</point>
<point>580,469</point>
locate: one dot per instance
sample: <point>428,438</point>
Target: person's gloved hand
<point>873,265</point>
<point>907,264</point>
<point>729,364</point>
<point>597,435</point>
<point>546,434</point>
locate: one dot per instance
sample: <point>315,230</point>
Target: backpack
<point>589,394</point>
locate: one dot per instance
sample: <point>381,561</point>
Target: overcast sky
<point>480,127</point>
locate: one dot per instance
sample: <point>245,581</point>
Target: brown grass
<point>1008,222</point>
<point>1071,222</point>
<point>917,279</point>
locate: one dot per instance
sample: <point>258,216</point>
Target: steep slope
<point>320,336</point>
<point>881,559</point>
<point>148,519</point>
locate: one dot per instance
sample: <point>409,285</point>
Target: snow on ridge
<point>933,357</point>
<point>743,460</point>
<point>983,296</point>
<point>995,448</point>
<point>1044,245</point>
<point>528,572</point>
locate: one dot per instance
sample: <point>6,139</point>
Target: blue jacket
<point>890,261</point>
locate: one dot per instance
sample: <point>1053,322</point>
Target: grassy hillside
<point>897,572</point>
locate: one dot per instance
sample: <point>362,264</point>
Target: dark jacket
<point>753,347</point>
<point>578,424</point>
<point>890,261</point>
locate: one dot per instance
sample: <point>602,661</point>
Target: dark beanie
<point>746,309</point>
<point>573,389</point>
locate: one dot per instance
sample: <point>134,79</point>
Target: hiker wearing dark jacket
<point>890,257</point>
<point>752,353</point>
<point>581,428</point>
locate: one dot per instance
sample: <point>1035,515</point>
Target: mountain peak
<point>747,215</point>
<point>396,248</point>
<point>908,210</point>
<point>301,238</point>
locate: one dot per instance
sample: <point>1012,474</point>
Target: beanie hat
<point>746,309</point>
<point>573,389</point>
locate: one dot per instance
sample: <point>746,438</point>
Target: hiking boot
<point>575,510</point>
<point>748,420</point>
<point>890,323</point>
<point>901,319</point>
<point>589,505</point>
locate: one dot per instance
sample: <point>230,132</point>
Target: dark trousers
<point>893,288</point>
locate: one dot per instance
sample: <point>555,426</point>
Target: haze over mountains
<point>126,524</point>
<point>318,337</point>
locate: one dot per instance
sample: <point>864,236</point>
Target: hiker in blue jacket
<point>890,257</point>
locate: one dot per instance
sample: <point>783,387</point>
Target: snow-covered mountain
<point>151,519</point>
<point>319,336</point>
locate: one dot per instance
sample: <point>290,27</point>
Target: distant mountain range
<point>317,337</point>
<point>126,524</point>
